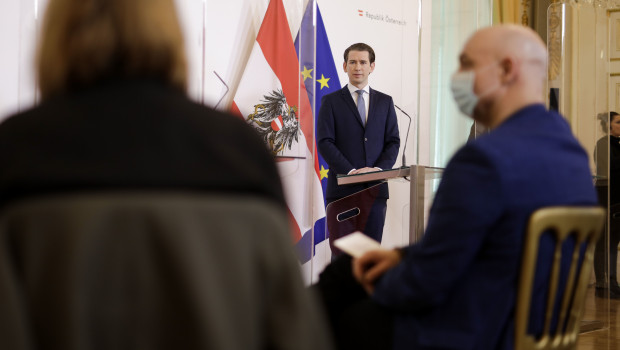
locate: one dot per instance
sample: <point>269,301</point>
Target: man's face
<point>358,67</point>
<point>477,58</point>
<point>484,66</point>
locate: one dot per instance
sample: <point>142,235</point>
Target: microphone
<point>226,93</point>
<point>407,137</point>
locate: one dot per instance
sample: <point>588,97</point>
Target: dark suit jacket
<point>346,144</point>
<point>607,159</point>
<point>131,134</point>
<point>456,288</point>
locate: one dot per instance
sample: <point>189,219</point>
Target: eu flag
<point>321,78</point>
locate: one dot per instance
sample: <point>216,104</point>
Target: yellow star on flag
<point>323,81</point>
<point>307,73</point>
<point>323,172</point>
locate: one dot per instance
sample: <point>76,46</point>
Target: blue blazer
<point>456,288</point>
<point>346,144</point>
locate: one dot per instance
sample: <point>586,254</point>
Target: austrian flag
<point>272,98</point>
<point>268,96</point>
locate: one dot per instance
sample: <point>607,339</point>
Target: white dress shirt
<point>353,90</point>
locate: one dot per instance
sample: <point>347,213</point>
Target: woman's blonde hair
<point>86,41</point>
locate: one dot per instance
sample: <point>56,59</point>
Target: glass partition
<point>30,19</point>
<point>581,43</point>
<point>446,26</point>
<point>425,181</point>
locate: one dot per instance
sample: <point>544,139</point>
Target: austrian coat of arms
<point>276,122</point>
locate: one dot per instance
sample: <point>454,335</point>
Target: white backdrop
<point>9,55</point>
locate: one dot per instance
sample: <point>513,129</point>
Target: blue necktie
<point>361,107</point>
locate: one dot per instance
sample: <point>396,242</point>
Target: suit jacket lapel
<point>371,104</point>
<point>346,95</point>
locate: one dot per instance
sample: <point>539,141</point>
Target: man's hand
<point>372,265</point>
<point>363,170</point>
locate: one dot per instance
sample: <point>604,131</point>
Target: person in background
<point>357,132</point>
<point>607,158</point>
<point>456,288</point>
<point>115,117</point>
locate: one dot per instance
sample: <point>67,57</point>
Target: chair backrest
<point>152,271</point>
<point>564,301</point>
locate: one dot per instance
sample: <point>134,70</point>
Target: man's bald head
<point>516,58</point>
<point>519,42</point>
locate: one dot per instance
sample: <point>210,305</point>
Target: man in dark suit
<point>357,132</point>
<point>456,288</point>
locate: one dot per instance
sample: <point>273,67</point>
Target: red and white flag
<point>272,97</point>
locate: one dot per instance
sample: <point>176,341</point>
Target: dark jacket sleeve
<point>391,140</point>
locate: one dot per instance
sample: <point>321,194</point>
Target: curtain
<point>506,11</point>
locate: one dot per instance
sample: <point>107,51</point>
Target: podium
<point>350,213</point>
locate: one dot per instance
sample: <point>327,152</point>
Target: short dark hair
<point>360,47</point>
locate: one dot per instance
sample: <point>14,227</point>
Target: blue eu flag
<point>320,78</point>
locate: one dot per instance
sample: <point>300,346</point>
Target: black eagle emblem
<point>276,121</point>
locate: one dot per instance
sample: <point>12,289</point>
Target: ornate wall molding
<point>525,18</point>
<point>554,29</point>
<point>600,3</point>
<point>554,39</point>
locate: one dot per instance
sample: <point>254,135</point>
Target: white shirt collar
<point>353,88</point>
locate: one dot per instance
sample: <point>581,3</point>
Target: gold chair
<point>584,224</point>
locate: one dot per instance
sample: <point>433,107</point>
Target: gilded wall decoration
<point>554,39</point>
<point>614,33</point>
<point>615,90</point>
<point>525,18</point>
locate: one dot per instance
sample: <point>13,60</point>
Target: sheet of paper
<point>356,244</point>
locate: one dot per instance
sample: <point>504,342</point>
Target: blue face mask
<point>462,86</point>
